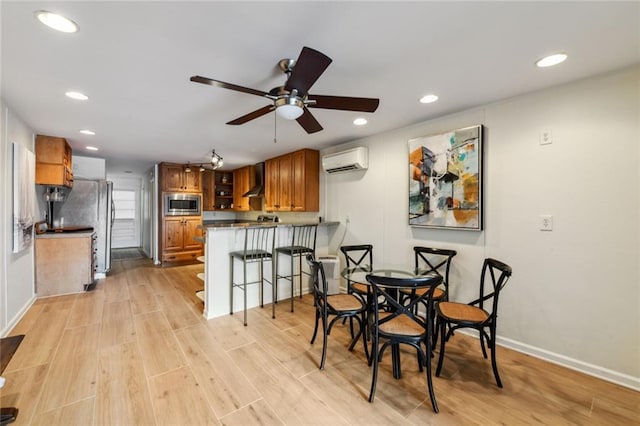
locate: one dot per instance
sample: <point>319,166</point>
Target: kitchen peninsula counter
<point>223,237</point>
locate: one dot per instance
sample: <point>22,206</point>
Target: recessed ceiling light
<point>427,99</point>
<point>360,121</point>
<point>128,171</point>
<point>77,95</point>
<point>92,148</point>
<point>57,22</point>
<point>551,60</point>
<point>87,132</point>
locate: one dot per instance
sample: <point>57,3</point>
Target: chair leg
<point>443,330</point>
<point>315,328</point>
<point>261,279</point>
<point>244,290</point>
<point>484,351</point>
<point>300,271</point>
<point>432,395</point>
<point>293,282</point>
<point>374,376</point>
<point>231,289</point>
<point>274,287</point>
<point>494,362</point>
<point>324,339</point>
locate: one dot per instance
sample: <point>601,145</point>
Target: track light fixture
<point>215,163</point>
<point>216,160</point>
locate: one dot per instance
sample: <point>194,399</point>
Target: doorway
<point>126,232</point>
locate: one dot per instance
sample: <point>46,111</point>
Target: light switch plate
<point>546,222</point>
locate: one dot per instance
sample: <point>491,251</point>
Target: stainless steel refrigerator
<point>90,203</point>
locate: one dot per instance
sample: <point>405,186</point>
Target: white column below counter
<point>219,242</point>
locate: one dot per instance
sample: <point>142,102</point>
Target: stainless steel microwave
<point>181,204</point>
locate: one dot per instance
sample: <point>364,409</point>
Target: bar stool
<point>258,248</point>
<point>303,242</point>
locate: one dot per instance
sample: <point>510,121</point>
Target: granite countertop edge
<point>211,225</point>
<point>65,234</point>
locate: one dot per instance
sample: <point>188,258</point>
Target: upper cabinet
<point>53,161</point>
<point>243,181</point>
<point>293,182</point>
<point>208,188</point>
<point>176,178</point>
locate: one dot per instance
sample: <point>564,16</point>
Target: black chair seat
<point>250,255</point>
<point>294,250</point>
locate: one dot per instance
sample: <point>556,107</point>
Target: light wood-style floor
<point>137,351</point>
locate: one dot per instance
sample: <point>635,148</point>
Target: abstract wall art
<point>445,180</point>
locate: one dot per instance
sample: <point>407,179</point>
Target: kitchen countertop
<point>209,224</point>
<point>74,234</point>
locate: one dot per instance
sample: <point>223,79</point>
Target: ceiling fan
<point>292,100</point>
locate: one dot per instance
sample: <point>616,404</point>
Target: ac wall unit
<point>345,161</point>
<point>331,265</point>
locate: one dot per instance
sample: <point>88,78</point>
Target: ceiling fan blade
<point>309,66</point>
<point>252,115</point>
<point>212,82</point>
<point>309,122</point>
<point>344,103</point>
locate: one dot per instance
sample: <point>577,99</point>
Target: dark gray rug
<point>127,254</point>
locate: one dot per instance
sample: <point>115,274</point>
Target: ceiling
<point>134,61</point>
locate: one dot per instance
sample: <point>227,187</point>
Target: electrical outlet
<point>546,137</point>
<point>546,222</point>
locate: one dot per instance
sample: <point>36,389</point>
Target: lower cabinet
<point>64,263</point>
<point>178,237</point>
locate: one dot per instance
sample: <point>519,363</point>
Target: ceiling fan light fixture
<point>289,107</point>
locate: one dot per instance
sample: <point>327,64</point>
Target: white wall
<point>17,289</point>
<point>574,296</point>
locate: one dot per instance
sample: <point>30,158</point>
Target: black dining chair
<point>428,260</point>
<point>360,255</point>
<point>400,324</point>
<point>339,306</point>
<point>480,314</point>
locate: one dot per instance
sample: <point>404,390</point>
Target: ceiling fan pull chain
<point>275,128</point>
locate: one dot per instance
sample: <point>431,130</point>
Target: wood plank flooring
<point>137,351</point>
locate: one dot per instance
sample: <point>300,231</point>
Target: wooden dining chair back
<point>433,260</point>
<point>400,324</point>
<point>480,314</point>
<point>338,306</point>
<point>258,248</point>
<point>358,256</point>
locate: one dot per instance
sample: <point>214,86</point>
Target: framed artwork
<point>24,187</point>
<point>445,180</point>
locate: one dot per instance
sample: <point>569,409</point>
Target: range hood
<point>258,187</point>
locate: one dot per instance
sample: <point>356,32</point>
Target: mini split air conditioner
<point>331,265</point>
<point>345,161</point>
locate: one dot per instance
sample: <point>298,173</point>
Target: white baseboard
<point>18,317</point>
<point>565,361</point>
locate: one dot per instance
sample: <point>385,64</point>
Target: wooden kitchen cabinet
<point>208,190</point>
<point>175,178</point>
<point>293,182</point>
<point>64,263</point>
<point>178,237</point>
<point>53,161</point>
<point>243,181</point>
